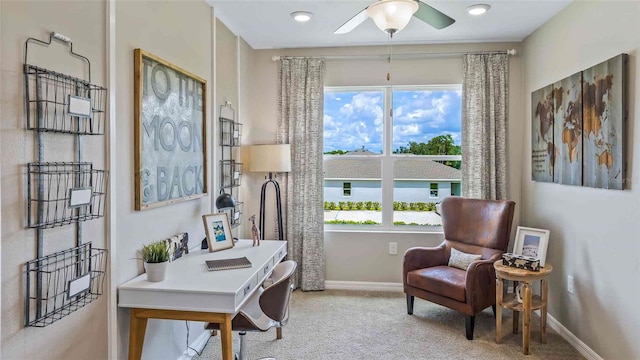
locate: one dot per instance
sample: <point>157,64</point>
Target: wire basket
<point>230,133</point>
<point>63,282</point>
<point>60,103</point>
<point>235,214</point>
<point>61,193</point>
<point>231,174</point>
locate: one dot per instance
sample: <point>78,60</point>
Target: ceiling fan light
<point>392,16</point>
<point>301,16</point>
<point>478,9</point>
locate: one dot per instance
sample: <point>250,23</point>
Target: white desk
<point>191,292</point>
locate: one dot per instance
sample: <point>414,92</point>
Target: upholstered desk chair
<point>266,308</point>
<point>473,226</point>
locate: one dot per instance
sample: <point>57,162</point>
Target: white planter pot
<point>156,271</point>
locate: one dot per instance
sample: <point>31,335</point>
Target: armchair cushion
<point>443,280</point>
<point>461,260</point>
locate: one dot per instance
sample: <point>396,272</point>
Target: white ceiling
<point>267,24</point>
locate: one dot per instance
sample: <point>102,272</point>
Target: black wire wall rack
<point>230,168</point>
<point>63,193</point>
<point>63,282</point>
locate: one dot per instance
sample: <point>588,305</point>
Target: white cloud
<point>404,130</point>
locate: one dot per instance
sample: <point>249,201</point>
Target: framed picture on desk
<point>218,231</point>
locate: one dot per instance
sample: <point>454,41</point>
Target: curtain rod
<point>511,52</point>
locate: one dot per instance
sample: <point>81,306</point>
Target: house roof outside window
<point>405,169</point>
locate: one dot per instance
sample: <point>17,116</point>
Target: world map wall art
<point>578,128</point>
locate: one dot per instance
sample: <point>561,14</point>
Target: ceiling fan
<point>392,16</point>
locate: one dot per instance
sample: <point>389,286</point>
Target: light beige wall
<point>226,81</point>
<point>593,231</point>
<point>20,20</point>
<point>181,33</point>
<point>246,112</point>
<point>353,256</point>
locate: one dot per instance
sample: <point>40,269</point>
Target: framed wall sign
<point>170,133</point>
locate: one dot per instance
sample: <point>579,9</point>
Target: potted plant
<point>156,260</point>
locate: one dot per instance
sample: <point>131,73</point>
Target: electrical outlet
<point>570,284</point>
<point>393,248</point>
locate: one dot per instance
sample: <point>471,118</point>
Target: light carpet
<point>338,324</point>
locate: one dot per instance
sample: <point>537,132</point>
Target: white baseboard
<point>198,344</point>
<point>582,348</point>
<point>362,285</point>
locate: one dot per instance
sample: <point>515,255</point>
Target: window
<point>398,146</point>
<point>346,189</point>
<point>433,193</point>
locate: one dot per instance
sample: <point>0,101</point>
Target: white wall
<point>353,256</point>
<point>593,231</point>
<point>20,20</point>
<point>247,110</point>
<point>181,33</point>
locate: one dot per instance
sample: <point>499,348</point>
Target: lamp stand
<point>278,206</point>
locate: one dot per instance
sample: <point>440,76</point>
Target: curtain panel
<point>485,99</point>
<point>300,110</point>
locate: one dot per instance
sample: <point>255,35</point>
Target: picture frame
<point>218,231</point>
<point>170,116</point>
<point>531,242</point>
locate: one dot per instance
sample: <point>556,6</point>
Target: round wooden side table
<point>529,301</point>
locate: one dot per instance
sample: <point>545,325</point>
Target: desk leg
<point>499,289</point>
<point>225,338</point>
<point>137,329</point>
<point>543,312</point>
<point>516,314</point>
<point>526,321</point>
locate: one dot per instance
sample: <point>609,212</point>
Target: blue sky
<point>355,119</point>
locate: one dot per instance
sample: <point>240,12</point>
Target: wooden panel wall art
<point>580,122</point>
<point>542,152</point>
<point>170,128</point>
<point>567,130</point>
<point>604,124</point>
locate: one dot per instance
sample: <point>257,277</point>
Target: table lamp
<point>270,159</point>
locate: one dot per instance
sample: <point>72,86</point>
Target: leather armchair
<point>472,226</point>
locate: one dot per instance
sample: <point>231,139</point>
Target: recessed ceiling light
<point>478,9</point>
<point>301,16</point>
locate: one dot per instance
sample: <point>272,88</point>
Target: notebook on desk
<point>226,264</point>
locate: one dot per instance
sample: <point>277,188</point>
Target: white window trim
<point>388,159</point>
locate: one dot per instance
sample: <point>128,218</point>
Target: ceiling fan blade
<point>433,16</point>
<point>358,19</point>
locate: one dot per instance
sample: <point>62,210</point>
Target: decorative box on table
<point>521,261</point>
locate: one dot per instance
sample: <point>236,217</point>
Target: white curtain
<point>485,99</point>
<point>300,110</point>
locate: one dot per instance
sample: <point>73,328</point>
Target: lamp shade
<point>270,158</point>
<point>392,15</point>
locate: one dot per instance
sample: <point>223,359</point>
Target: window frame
<point>344,188</point>
<point>431,190</point>
<point>388,158</point>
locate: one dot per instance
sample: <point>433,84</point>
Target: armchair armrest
<point>423,257</point>
<point>481,283</point>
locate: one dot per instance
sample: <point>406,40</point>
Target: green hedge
<point>370,222</point>
<point>376,206</point>
<point>351,222</point>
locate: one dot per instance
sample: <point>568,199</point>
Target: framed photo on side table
<point>531,242</point>
<point>218,231</point>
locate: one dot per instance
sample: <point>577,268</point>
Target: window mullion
<point>387,162</point>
